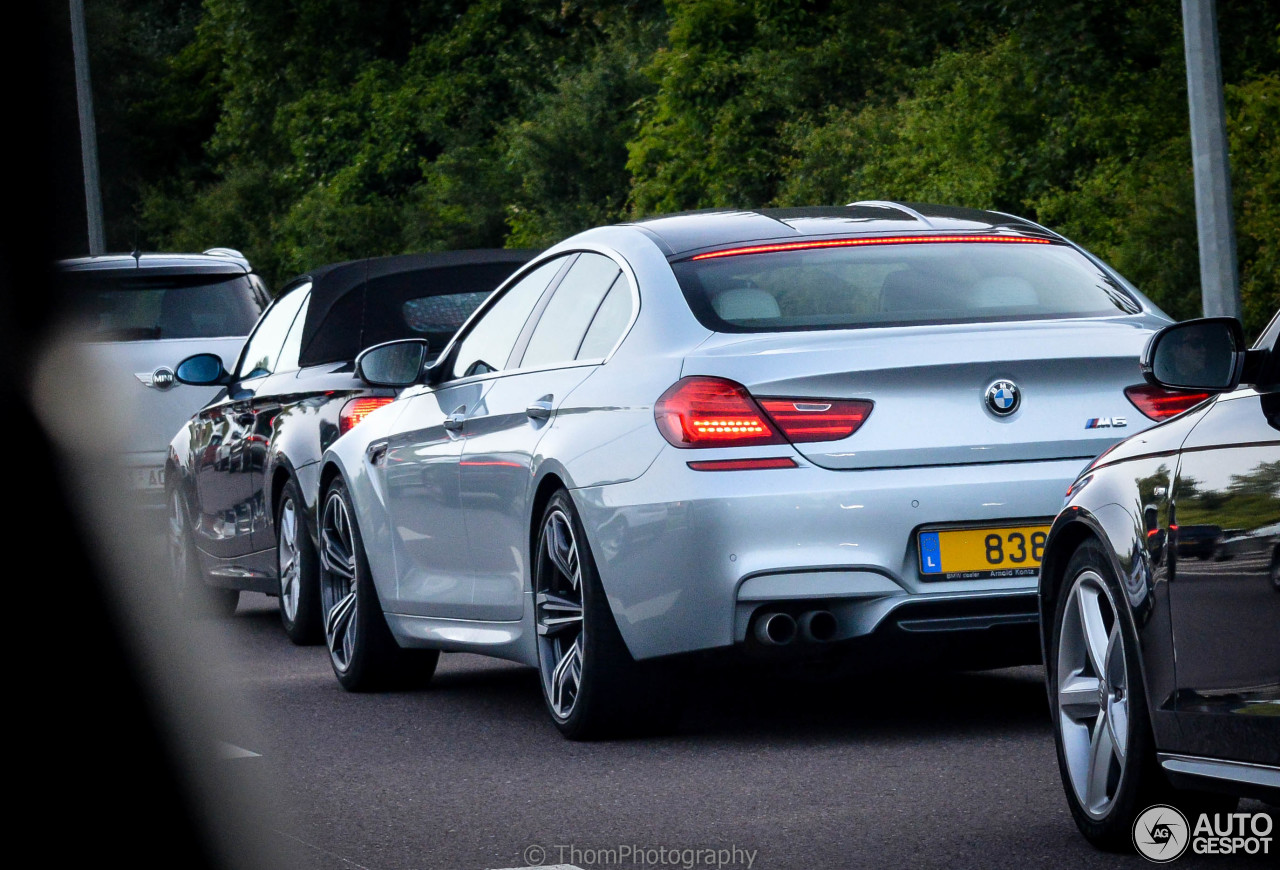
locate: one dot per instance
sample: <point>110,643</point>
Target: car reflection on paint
<point>1199,541</point>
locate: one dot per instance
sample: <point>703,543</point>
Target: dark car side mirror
<point>393,364</point>
<point>202,370</point>
<point>1204,354</point>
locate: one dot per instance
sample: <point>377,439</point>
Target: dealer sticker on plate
<point>147,478</point>
<point>976,554</point>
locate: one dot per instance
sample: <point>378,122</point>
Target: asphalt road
<point>919,770</point>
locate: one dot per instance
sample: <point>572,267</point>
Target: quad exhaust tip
<point>818,626</point>
<point>780,629</point>
<point>775,629</point>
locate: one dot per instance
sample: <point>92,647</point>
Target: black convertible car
<point>1160,596</point>
<point>242,474</point>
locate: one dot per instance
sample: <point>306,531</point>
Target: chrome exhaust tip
<point>775,629</point>
<point>818,626</point>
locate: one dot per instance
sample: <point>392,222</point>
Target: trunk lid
<point>929,386</point>
<point>125,368</point>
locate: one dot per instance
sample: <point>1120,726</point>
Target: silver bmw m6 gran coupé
<point>842,430</point>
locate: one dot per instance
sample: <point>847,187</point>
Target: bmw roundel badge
<point>1003,398</point>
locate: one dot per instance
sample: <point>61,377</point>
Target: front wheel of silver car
<point>592,686</point>
<point>298,570</point>
<point>364,655</point>
<point>194,596</point>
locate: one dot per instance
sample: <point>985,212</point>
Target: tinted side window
<point>611,319</point>
<point>490,341</point>
<point>262,352</point>
<point>564,321</point>
<point>293,341</point>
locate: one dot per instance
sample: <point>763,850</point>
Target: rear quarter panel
<point>348,457</point>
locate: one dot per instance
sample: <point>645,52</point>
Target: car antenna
<point>137,255</point>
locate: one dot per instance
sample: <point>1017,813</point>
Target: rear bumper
<point>688,558</point>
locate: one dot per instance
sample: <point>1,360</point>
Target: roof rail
<point>884,203</point>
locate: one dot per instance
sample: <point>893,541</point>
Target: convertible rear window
<point>897,284</point>
<point>113,308</point>
<point>438,317</point>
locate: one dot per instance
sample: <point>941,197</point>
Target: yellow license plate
<point>972,554</point>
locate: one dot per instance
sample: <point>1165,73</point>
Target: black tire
<point>1139,783</point>
<point>615,695</point>
<point>298,565</point>
<point>194,595</point>
<point>364,654</point>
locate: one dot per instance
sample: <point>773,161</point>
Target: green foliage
<point>1079,123</point>
<point>567,157</point>
<point>965,134</point>
<point>317,130</point>
<point>734,75</point>
<point>1254,130</point>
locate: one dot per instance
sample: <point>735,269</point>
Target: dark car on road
<point>242,473</point>
<point>136,315</point>
<point>1163,665</point>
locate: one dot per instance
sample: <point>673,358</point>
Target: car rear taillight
<point>354,411</point>
<point>715,412</point>
<point>712,412</point>
<point>803,420</point>
<point>1161,403</point>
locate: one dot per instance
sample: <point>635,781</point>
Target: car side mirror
<point>202,370</point>
<point>393,364</point>
<point>1204,354</point>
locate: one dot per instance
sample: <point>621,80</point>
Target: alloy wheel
<point>558,613</point>
<point>1093,694</point>
<point>338,581</point>
<point>287,559</point>
<point>178,551</point>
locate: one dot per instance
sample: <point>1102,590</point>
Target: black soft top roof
<point>359,303</point>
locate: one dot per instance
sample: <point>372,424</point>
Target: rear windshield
<point>145,308</point>
<point>898,284</point>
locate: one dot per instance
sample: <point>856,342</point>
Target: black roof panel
<point>688,232</point>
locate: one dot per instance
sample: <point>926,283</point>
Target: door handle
<point>455,421</point>
<point>539,410</point>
